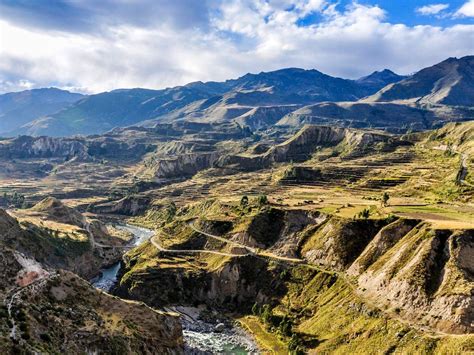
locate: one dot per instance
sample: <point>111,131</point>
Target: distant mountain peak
<point>450,82</point>
<point>379,79</point>
<point>386,75</point>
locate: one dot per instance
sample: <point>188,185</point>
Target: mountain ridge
<point>18,108</point>
<point>438,93</point>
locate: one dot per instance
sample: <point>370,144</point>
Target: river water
<point>199,336</point>
<point>108,276</point>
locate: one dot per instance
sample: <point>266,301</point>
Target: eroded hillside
<point>397,279</point>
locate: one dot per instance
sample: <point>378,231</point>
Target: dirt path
<point>460,178</point>
<point>253,251</point>
<point>432,333</point>
<point>15,296</point>
<point>157,245</point>
<point>463,172</point>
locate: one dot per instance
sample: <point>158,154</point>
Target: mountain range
<point>286,97</point>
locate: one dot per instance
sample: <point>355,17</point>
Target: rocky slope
<point>409,271</point>
<point>60,237</point>
<point>48,312</point>
<point>302,145</point>
<point>422,273</point>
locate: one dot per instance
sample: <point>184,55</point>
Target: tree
<point>385,198</point>
<point>262,200</point>
<point>365,213</point>
<point>244,201</point>
<point>266,314</point>
<point>255,309</point>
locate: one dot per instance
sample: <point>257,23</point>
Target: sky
<point>92,46</point>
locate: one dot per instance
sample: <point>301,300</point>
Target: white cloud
<point>467,9</point>
<point>241,36</point>
<point>432,9</point>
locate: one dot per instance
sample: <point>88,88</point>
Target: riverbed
<point>200,336</point>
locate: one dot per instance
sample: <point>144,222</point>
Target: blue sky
<point>404,11</point>
<point>92,46</point>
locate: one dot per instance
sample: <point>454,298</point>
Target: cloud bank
<point>93,46</point>
<point>432,9</point>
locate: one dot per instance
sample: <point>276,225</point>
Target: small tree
<point>262,200</point>
<point>266,314</point>
<point>385,198</point>
<point>255,309</point>
<point>365,213</point>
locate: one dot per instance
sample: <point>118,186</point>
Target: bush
<point>365,213</point>
<point>262,200</point>
<point>244,201</point>
<point>45,337</point>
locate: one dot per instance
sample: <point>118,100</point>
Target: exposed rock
<point>428,277</point>
<point>185,165</point>
<point>338,242</point>
<point>62,311</point>
<point>385,239</point>
<point>303,144</point>
<point>129,206</point>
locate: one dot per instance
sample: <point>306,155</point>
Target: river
<point>108,276</point>
<point>199,336</point>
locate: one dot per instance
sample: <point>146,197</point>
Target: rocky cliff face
<point>129,206</point>
<point>185,165</point>
<point>423,274</point>
<point>43,147</point>
<point>122,146</point>
<point>426,277</point>
<point>303,144</point>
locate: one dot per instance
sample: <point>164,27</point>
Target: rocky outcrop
<point>236,285</point>
<point>60,237</point>
<point>43,147</point>
<point>385,239</point>
<point>303,144</point>
<point>129,206</point>
<point>427,277</point>
<point>422,274</point>
<point>122,146</point>
<point>338,242</point>
<point>185,165</point>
